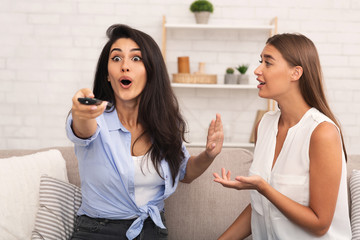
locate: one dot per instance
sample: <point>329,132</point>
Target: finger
<point>223,173</point>
<point>216,175</point>
<point>228,175</point>
<point>87,92</point>
<point>84,92</point>
<point>218,123</point>
<point>103,105</point>
<point>240,179</point>
<point>211,129</point>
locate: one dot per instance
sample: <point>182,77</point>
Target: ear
<point>297,73</point>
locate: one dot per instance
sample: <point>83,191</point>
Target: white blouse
<point>290,176</point>
<point>147,181</point>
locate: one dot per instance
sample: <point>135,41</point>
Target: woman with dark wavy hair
<point>298,176</point>
<point>131,154</point>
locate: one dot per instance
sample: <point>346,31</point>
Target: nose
<point>257,70</point>
<point>125,66</point>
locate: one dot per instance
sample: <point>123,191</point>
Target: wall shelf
<point>214,86</point>
<point>271,29</point>
<point>209,26</point>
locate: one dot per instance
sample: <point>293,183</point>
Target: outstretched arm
<point>198,164</point>
<point>325,172</point>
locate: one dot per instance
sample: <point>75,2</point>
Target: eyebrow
<point>119,49</point>
<point>268,56</point>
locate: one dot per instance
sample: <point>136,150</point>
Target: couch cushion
<point>19,190</point>
<point>355,203</point>
<point>204,209</point>
<point>68,154</point>
<point>59,202</point>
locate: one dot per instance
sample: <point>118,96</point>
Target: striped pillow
<point>59,202</point>
<point>355,203</point>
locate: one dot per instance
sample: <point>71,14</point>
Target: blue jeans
<point>87,228</point>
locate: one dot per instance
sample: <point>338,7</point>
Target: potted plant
<point>230,77</point>
<point>202,10</point>
<point>243,78</point>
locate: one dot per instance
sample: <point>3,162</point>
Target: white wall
<point>49,49</point>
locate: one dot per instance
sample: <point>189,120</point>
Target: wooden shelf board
<point>215,86</point>
<point>213,26</point>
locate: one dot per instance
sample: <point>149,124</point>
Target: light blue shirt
<point>107,175</point>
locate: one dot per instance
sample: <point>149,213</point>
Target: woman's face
<point>127,73</point>
<point>274,74</point>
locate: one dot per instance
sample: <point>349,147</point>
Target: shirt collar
<point>113,122</point>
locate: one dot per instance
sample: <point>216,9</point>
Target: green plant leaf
<point>201,5</point>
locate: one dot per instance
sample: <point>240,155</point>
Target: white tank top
<point>290,176</point>
<point>147,181</point>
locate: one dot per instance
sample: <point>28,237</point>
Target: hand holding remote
<point>90,101</point>
<point>93,101</point>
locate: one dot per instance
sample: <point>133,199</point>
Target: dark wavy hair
<point>298,50</point>
<point>159,112</point>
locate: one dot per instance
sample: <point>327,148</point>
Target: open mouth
<point>125,82</point>
<point>262,83</point>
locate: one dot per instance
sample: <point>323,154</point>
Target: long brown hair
<point>159,112</point>
<point>299,50</point>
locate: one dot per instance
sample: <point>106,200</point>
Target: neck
<point>128,113</point>
<point>292,111</point>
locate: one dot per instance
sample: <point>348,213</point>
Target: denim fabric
<point>87,228</point>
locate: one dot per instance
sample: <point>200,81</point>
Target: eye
<point>267,63</point>
<point>136,58</point>
<point>116,58</point>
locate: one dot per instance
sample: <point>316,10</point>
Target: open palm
<point>215,137</point>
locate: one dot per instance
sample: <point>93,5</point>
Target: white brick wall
<point>49,49</point>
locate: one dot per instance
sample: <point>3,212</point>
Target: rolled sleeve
<point>184,162</point>
<point>76,140</point>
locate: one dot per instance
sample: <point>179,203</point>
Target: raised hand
<point>215,137</point>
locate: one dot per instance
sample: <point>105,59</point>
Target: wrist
<point>209,156</point>
<point>262,186</point>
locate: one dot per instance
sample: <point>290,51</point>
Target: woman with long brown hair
<point>131,156</point>
<point>298,176</point>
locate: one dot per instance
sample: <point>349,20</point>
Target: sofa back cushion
<point>204,209</point>
<point>68,154</point>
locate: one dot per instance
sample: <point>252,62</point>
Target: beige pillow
<point>19,190</point>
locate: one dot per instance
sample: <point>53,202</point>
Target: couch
<point>200,210</point>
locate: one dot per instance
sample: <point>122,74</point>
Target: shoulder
<point>325,131</point>
<point>325,128</point>
<point>325,139</point>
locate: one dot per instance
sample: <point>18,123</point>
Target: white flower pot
<point>243,79</point>
<point>230,79</point>
<point>202,17</point>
